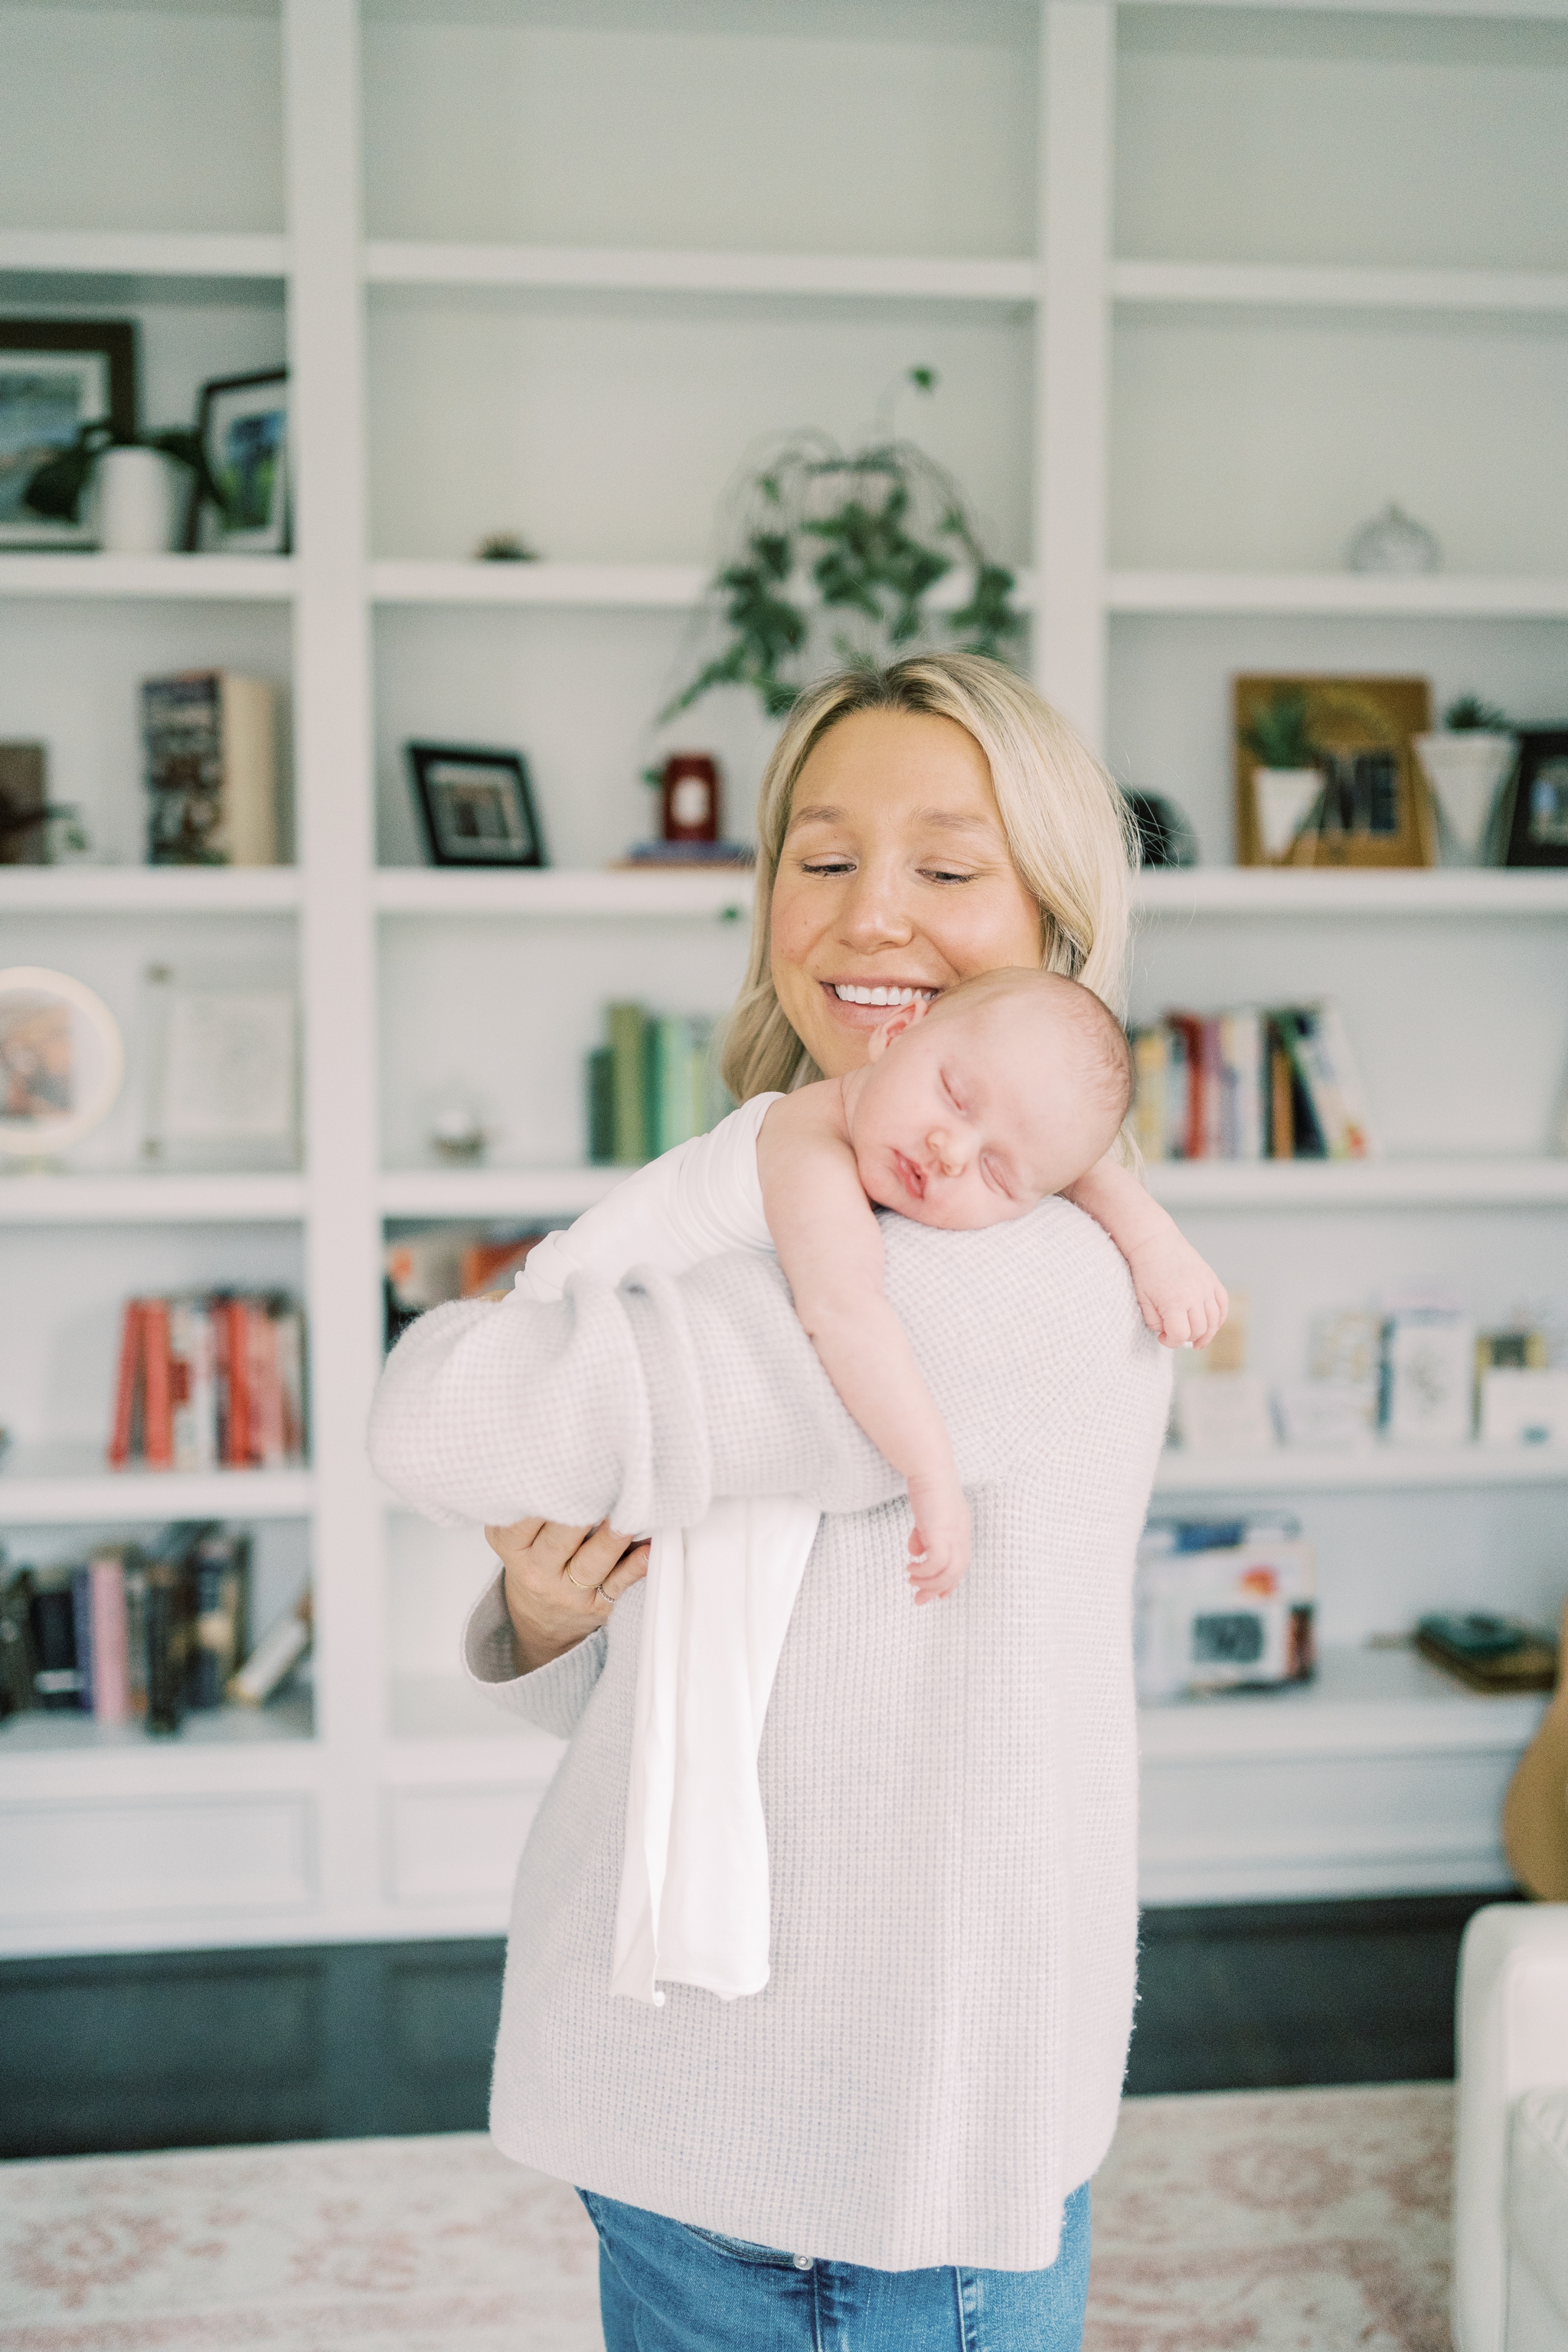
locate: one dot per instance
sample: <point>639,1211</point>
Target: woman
<point>892,2142</point>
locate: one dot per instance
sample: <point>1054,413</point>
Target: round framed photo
<point>62,1061</point>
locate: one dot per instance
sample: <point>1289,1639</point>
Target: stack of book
<point>1249,1084</point>
<point>210,1381</point>
<point>652,1086</point>
<point>210,742</point>
<point>142,1637</point>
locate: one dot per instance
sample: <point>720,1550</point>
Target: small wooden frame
<point>1374,808</point>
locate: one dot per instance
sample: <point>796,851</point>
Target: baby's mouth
<point>912,1178</point>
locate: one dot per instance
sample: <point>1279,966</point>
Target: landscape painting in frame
<point>57,376</point>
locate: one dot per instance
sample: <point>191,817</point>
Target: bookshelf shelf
<point>1452,596</point>
<point>495,1191</point>
<point>1270,286</point>
<point>651,270</point>
<point>1292,1470</point>
<point>625,587</point>
<point>138,1199</point>
<point>1364,1702</point>
<point>221,1728</point>
<point>226,579</point>
<point>1359,1184</point>
<point>148,890</point>
<point>1264,890</point>
<point>144,257</point>
<point>69,1487</point>
<point>691,891</point>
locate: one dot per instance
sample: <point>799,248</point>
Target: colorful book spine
<point>111,1638</point>
<point>81,1635</point>
<point>628,1079</point>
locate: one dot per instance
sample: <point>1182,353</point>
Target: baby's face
<point>974,1119</point>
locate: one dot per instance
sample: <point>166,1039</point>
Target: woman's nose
<point>873,913</point>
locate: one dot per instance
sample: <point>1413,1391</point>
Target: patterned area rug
<point>1250,2221</point>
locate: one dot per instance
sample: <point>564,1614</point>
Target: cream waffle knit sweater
<point>950,1792</point>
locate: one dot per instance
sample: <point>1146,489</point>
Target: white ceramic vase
<point>1283,799</point>
<point>135,502</point>
<point>1465,769</point>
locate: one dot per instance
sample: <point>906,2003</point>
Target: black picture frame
<point>111,341</point>
<point>477,805</point>
<point>273,535</point>
<point>1538,813</point>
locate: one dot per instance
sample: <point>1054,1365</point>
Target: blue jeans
<point>666,2287</point>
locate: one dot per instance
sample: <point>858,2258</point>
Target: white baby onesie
<point>694,1900</point>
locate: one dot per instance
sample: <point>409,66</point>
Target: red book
<point>126,1385</point>
<point>110,1646</point>
<point>266,1437</point>
<point>1192,1030</point>
<point>157,1410</point>
<point>237,1434</point>
<point>1213,1144</point>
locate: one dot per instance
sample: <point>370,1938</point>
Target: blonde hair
<point>1065,821</point>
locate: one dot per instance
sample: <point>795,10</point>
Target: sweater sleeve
<point>641,1404</point>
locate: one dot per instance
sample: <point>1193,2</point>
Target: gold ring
<point>597,1589</point>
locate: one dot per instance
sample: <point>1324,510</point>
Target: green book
<point>628,1077</point>
<point>601,1106</point>
<point>677,1083</point>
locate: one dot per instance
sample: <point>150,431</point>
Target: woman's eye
<point>945,874</point>
<point>826,866</point>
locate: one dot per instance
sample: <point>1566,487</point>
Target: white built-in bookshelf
<point>539,273</point>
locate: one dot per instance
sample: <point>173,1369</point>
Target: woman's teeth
<point>851,996</point>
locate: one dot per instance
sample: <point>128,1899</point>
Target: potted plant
<point>1465,766</point>
<point>1287,782</point>
<point>133,483</point>
<point>853,542</point>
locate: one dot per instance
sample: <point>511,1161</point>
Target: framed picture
<point>222,1069</point>
<point>56,375</point>
<point>61,1062</point>
<point>1326,775</point>
<point>1538,826</point>
<point>477,806</point>
<point>243,420</point>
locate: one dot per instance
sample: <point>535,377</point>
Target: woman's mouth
<point>865,1004</point>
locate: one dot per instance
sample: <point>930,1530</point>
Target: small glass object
<point>1394,541</point>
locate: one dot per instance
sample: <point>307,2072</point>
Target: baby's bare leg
<point>826,1235</point>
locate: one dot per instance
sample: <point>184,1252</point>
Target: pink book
<point>111,1650</point>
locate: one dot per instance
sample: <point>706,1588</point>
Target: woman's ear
<point>894,1026</point>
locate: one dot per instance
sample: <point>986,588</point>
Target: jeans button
<point>803,2261</point>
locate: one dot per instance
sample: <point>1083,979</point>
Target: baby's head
<point>1008,1089</point>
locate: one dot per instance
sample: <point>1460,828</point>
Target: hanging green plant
<point>856,540</point>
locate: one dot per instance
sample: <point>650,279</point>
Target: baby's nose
<point>947,1151</point>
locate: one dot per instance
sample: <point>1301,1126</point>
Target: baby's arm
<point>1183,1299</point>
<point>825,1231</point>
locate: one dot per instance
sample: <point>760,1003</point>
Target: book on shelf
<point>210,1381</point>
<point>149,1637</point>
<point>1249,1084</point>
<point>1223,1606</point>
<point>446,1262</point>
<point>652,1086</point>
<point>210,746</point>
<point>1497,1656</point>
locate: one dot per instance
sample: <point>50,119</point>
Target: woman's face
<point>894,877</point>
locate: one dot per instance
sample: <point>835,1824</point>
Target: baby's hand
<point>1183,1300</point>
<point>938,1541</point>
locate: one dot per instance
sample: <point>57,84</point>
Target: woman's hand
<point>552,1611</point>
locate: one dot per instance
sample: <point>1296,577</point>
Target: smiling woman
<point>918,827</point>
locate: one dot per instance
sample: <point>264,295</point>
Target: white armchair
<point>1510,2172</point>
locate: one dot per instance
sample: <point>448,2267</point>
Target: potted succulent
<point>849,543</point>
<point>133,481</point>
<point>1287,782</point>
<point>1466,766</point>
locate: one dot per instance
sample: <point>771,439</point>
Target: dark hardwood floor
<point>337,2042</point>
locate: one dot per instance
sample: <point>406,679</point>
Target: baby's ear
<point>894,1026</point>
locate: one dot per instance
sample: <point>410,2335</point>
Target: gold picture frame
<point>1372,806</point>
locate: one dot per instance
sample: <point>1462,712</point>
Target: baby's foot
<point>938,1541</point>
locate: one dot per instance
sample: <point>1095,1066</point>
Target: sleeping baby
<point>971,1110</point>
